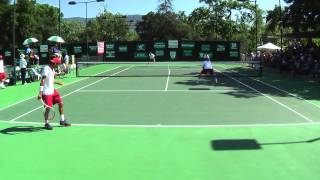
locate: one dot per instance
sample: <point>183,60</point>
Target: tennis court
<point>161,124</point>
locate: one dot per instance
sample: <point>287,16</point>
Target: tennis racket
<point>51,112</point>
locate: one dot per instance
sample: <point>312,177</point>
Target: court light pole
<point>14,41</point>
<point>86,3</point>
<point>281,28</point>
<point>59,18</point>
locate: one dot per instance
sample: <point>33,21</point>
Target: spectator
<point>31,58</point>
<point>36,59</point>
<point>2,73</point>
<point>55,51</point>
<point>27,51</point>
<point>23,68</point>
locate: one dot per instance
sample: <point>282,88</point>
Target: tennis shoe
<point>64,123</point>
<point>48,126</point>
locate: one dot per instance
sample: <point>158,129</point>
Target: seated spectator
<point>2,73</point>
<point>55,51</point>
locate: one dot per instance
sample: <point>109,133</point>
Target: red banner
<point>100,47</point>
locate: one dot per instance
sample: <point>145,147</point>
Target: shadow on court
<point>249,144</point>
<point>251,87</point>
<point>207,83</point>
<point>21,130</point>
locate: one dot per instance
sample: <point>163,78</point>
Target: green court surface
<point>165,127</point>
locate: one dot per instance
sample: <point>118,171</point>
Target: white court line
<point>286,92</point>
<point>272,99</point>
<point>57,88</point>
<point>152,90</point>
<point>71,93</point>
<point>35,96</point>
<point>172,126</point>
<point>168,78</point>
<point>279,89</point>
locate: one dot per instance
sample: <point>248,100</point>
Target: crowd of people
<point>297,60</point>
<point>28,67</point>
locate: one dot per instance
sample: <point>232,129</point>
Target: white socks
<point>62,117</point>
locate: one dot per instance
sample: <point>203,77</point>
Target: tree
<point>26,21</point>
<point>72,31</point>
<point>303,15</point>
<point>109,27</point>
<point>214,21</point>
<point>164,24</point>
<point>31,19</point>
<point>158,26</point>
<point>6,23</point>
<point>165,6</point>
<point>45,26</point>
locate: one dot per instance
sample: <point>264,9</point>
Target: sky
<point>132,7</point>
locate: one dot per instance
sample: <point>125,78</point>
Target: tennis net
<point>146,69</point>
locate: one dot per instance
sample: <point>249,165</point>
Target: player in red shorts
<point>2,73</point>
<point>49,95</point>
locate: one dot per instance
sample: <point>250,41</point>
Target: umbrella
<point>56,39</point>
<point>29,41</point>
<point>269,46</point>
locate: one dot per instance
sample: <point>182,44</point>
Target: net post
<point>77,70</point>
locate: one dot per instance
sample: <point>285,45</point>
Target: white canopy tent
<point>269,46</point>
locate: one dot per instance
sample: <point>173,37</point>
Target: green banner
<point>234,54</point>
<point>187,45</point>
<point>173,55</point>
<point>173,44</point>
<point>93,49</point>
<point>110,54</point>
<point>44,48</point>
<point>110,46</point>
<point>141,55</point>
<point>205,47</point>
<point>123,48</point>
<point>7,53</point>
<point>187,53</point>
<point>234,46</point>
<point>159,52</point>
<point>159,45</point>
<point>141,47</point>
<point>77,49</point>
<point>221,48</point>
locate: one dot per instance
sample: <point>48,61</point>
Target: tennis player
<point>49,95</point>
<point>2,73</point>
<point>152,57</point>
<point>207,68</point>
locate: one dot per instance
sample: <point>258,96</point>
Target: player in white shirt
<point>152,57</point>
<point>49,95</point>
<point>2,73</point>
<point>207,68</point>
